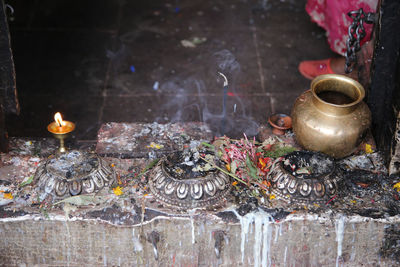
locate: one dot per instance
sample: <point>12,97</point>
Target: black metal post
<point>384,95</point>
<point>8,90</point>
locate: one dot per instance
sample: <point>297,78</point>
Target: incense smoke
<point>194,97</point>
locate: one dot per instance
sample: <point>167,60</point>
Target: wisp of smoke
<point>193,97</point>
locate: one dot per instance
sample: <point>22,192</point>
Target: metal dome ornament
<point>70,173</point>
<point>304,177</point>
<point>185,181</point>
<point>73,173</point>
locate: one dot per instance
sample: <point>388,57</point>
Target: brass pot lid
<point>189,187</point>
<point>72,173</point>
<point>304,177</point>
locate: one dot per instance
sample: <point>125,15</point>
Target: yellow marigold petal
<point>271,197</point>
<point>235,183</point>
<point>154,145</point>
<point>262,163</point>
<point>8,196</point>
<point>118,191</point>
<point>397,187</point>
<point>368,149</point>
<point>228,167</point>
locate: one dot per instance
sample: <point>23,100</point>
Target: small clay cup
<point>280,123</point>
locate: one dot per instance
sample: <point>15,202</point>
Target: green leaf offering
<point>279,151</point>
<point>26,181</point>
<point>148,167</point>
<point>233,166</point>
<point>251,167</point>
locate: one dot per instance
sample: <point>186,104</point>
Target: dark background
<point>99,61</point>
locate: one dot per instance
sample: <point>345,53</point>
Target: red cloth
<point>332,16</point>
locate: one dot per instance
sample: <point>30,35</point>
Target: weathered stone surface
<point>135,230</point>
<point>200,240</point>
<point>143,140</point>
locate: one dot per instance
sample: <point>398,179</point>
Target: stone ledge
<point>135,230</point>
<point>200,240</point>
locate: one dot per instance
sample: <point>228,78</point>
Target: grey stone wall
<point>300,240</point>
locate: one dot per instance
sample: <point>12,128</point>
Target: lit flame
<point>59,120</point>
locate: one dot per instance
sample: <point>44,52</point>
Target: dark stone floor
<point>123,61</point>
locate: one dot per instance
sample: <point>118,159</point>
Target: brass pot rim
<point>357,86</point>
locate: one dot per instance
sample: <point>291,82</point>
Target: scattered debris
<point>132,140</point>
<point>156,85</point>
<point>194,42</point>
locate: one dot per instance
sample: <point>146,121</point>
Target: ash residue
<point>367,193</point>
<point>5,213</point>
<point>72,164</point>
<point>308,164</point>
<point>250,204</point>
<point>116,215</point>
<point>228,216</point>
<point>144,140</point>
<point>366,189</point>
<point>277,214</point>
<point>188,164</point>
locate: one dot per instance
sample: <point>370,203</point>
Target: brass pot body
<point>332,126</point>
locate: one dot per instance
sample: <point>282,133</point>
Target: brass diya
<point>178,186</point>
<point>304,177</point>
<point>331,117</point>
<point>61,130</point>
<point>73,173</point>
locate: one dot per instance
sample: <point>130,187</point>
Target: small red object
<point>280,123</point>
<point>313,68</point>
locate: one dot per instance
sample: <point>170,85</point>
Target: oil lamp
<point>60,129</point>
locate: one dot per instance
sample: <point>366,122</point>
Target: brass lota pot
<point>331,117</point>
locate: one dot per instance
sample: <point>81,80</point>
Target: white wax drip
<point>284,262</point>
<point>267,232</point>
<point>262,235</point>
<point>137,246</point>
<point>339,226</point>
<point>192,224</point>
